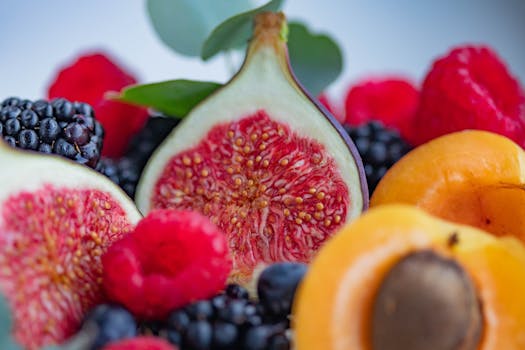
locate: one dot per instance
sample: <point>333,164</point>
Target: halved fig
<point>56,219</point>
<point>274,170</point>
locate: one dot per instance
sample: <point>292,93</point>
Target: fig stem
<point>270,27</point>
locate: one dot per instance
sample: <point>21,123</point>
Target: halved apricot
<point>471,177</point>
<point>335,306</point>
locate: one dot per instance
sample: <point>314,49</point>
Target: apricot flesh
<point>333,308</point>
<point>471,177</point>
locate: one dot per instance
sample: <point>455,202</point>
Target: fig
<point>56,220</point>
<point>272,168</point>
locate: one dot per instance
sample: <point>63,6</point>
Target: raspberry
<point>171,259</point>
<point>393,101</point>
<point>140,343</point>
<point>470,88</point>
<point>88,79</point>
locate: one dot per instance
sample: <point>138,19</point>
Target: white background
<point>377,37</point>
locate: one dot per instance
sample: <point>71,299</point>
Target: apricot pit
<point>426,301</point>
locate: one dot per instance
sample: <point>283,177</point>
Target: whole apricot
<point>471,177</point>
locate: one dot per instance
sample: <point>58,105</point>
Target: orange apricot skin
<point>334,302</point>
<point>471,177</point>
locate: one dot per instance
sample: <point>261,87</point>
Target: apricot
<point>399,278</point>
<point>471,177</point>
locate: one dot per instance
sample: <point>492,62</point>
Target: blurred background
<point>376,37</point>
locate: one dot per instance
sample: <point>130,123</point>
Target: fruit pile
<point>251,233</point>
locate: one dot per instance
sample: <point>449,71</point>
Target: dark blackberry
<point>229,320</point>
<point>126,171</point>
<point>149,138</point>
<point>225,335</point>
<point>110,322</point>
<point>123,172</point>
<point>257,338</point>
<point>59,126</point>
<point>28,139</point>
<point>379,147</point>
<point>150,328</point>
<point>234,312</point>
<point>11,101</point>
<point>198,336</point>
<point>266,337</point>
<point>200,310</point>
<point>236,291</point>
<point>277,285</point>
<point>278,342</point>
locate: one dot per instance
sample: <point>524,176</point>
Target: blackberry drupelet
<point>379,147</point>
<point>123,172</point>
<point>149,138</point>
<point>126,171</point>
<point>277,285</point>
<point>111,322</point>
<point>229,320</point>
<point>61,127</point>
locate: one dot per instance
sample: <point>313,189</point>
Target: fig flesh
<point>56,219</point>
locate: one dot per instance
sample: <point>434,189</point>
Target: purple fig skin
<point>342,132</point>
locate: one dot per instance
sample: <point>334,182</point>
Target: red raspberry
<point>140,343</point>
<point>470,88</point>
<point>88,79</point>
<point>392,100</point>
<point>171,259</point>
<point>325,101</point>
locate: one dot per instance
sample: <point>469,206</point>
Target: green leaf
<point>5,318</point>
<point>316,59</point>
<point>183,25</point>
<point>235,31</point>
<point>174,97</point>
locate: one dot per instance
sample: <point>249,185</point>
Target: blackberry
<point>277,285</point>
<point>142,145</point>
<point>123,172</point>
<point>65,128</point>
<point>126,171</point>
<point>111,322</point>
<point>228,320</point>
<point>379,147</point>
